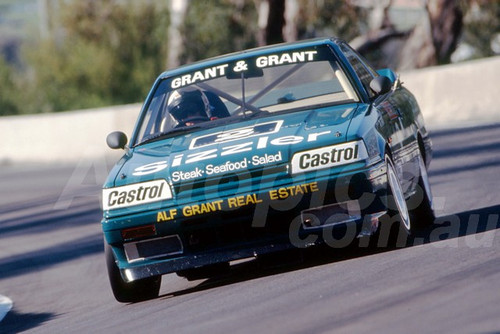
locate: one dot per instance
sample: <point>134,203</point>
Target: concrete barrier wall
<point>447,95</point>
<point>63,137</point>
<point>464,92</point>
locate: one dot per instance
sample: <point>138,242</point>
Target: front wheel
<point>396,225</point>
<point>129,292</point>
<point>396,201</point>
<point>421,206</point>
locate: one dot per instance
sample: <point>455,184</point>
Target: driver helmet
<point>187,104</point>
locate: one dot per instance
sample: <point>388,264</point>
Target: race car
<point>274,148</point>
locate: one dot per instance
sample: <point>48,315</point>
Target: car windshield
<point>258,86</point>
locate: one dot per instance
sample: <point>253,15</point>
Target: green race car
<point>284,146</point>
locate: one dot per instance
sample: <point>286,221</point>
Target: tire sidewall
<point>396,201</point>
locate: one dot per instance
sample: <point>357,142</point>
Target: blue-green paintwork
<point>401,135</point>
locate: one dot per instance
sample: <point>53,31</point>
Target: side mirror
<point>116,140</point>
<point>381,85</point>
<point>387,72</point>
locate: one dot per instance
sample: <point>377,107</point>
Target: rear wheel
<point>130,292</point>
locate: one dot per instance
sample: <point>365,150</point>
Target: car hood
<point>240,150</point>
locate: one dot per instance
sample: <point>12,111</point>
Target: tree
<point>105,52</point>
<point>481,27</point>
<point>431,42</point>
<point>288,20</point>
<point>9,89</point>
<point>334,18</point>
<point>275,22</point>
<point>214,27</point>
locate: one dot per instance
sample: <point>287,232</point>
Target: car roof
<point>230,57</point>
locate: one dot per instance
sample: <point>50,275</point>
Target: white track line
<point>5,306</point>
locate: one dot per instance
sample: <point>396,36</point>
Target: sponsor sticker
<point>240,66</point>
<point>231,203</point>
<point>226,148</point>
<point>286,58</point>
<point>135,194</point>
<point>228,166</point>
<point>150,168</point>
<point>198,76</point>
<point>235,134</point>
<point>328,156</point>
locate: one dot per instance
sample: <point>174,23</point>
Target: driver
<point>189,106</point>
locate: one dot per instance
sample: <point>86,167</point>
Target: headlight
<point>372,147</point>
<point>328,156</point>
<point>135,194</point>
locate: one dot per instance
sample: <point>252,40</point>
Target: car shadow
<point>16,322</point>
<point>42,258</point>
<point>469,223</point>
<point>464,224</point>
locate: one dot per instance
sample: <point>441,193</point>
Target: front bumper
<point>250,224</point>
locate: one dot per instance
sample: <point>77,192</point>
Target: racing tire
<point>396,225</point>
<point>130,292</point>
<point>421,206</point>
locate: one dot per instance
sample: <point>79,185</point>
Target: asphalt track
<point>446,281</point>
